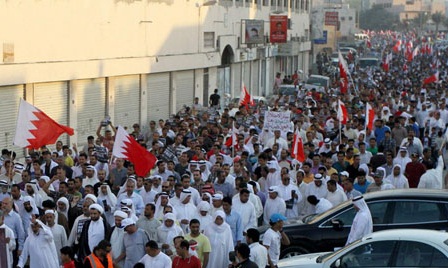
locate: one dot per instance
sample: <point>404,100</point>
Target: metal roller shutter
<point>236,76</point>
<point>158,89</point>
<point>127,100</point>
<point>184,82</point>
<point>52,98</point>
<point>9,101</point>
<point>90,106</point>
<point>255,78</point>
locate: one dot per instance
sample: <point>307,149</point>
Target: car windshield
<point>310,219</point>
<point>317,81</point>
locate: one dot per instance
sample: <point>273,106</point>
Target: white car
<point>390,248</point>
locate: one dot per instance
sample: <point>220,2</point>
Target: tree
<point>437,18</point>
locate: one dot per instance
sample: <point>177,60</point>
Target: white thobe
<point>90,181</point>
<point>96,233</point>
<point>148,197</point>
<point>59,237</point>
<point>319,192</point>
<point>247,213</point>
<point>285,193</point>
<point>272,206</point>
<point>185,212</point>
<point>116,240</point>
<point>9,246</point>
<point>362,225</point>
<point>40,248</point>
<point>221,242</point>
<point>323,206</point>
<point>336,197</point>
<point>433,178</point>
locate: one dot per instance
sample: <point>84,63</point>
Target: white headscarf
<point>172,231</point>
<point>67,206</point>
<point>109,196</point>
<point>28,198</point>
<point>219,228</point>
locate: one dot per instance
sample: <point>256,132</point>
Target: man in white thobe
<point>274,204</point>
<point>116,238</point>
<point>185,211</point>
<point>292,196</point>
<point>59,235</point>
<point>362,223</point>
<point>335,195</point>
<point>245,209</point>
<point>10,241</point>
<point>39,246</point>
<point>432,178</point>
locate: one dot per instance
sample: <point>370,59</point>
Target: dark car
<point>391,209</point>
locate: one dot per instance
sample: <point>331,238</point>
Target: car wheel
<point>294,251</point>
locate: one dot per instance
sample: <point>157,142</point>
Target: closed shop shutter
<point>90,106</point>
<point>52,98</point>
<point>158,89</point>
<point>9,101</point>
<point>184,82</point>
<point>255,78</point>
<point>127,100</point>
<point>236,75</point>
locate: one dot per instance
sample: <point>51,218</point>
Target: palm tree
<point>437,18</point>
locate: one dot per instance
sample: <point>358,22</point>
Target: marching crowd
<point>201,204</point>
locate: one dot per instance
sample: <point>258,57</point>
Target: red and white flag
<point>128,148</point>
<point>232,141</point>
<point>36,129</point>
<point>397,47</point>
<point>297,151</point>
<point>432,79</point>
<point>245,98</point>
<point>342,113</point>
<point>370,116</point>
<point>387,61</point>
<point>343,73</point>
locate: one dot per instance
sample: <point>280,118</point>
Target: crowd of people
<point>203,201</point>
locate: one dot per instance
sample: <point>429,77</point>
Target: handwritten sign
<point>278,121</point>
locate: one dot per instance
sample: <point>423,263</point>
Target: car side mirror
<point>337,224</point>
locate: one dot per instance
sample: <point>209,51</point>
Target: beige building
<point>138,60</point>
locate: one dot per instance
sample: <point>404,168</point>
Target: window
<point>265,3</point>
<point>342,18</point>
<point>209,39</point>
<point>375,254</point>
<point>346,218</point>
<point>418,212</point>
<point>416,254</point>
<point>350,18</point>
<point>378,211</point>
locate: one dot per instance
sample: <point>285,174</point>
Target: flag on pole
<point>245,98</point>
<point>432,79</point>
<point>232,141</point>
<point>342,113</point>
<point>387,61</point>
<point>36,129</point>
<point>370,116</point>
<point>128,148</point>
<point>297,151</point>
<point>343,73</point>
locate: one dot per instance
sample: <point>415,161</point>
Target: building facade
<point>138,60</point>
